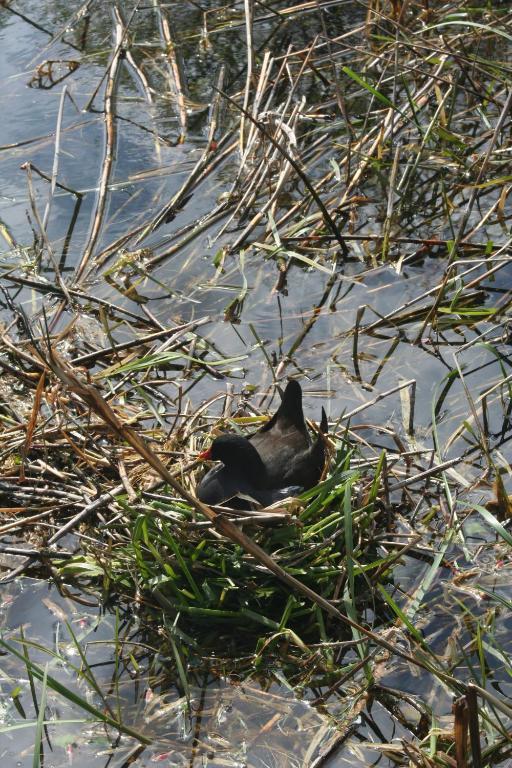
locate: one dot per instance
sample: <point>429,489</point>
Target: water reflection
<point>304,321</point>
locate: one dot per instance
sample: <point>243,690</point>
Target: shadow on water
<point>254,722</point>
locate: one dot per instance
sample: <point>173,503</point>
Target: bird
<point>241,479</point>
<point>277,461</point>
<point>285,446</point>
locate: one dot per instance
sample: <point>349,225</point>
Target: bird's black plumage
<point>284,444</point>
<point>277,461</point>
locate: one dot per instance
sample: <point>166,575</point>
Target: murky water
<point>147,173</point>
<point>221,719</point>
<point>255,724</point>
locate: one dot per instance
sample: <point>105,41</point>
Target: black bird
<point>241,479</point>
<point>285,446</point>
<point>277,461</point>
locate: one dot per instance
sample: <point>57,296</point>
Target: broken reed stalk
<point>44,235</point>
<point>56,156</point>
<point>175,76</point>
<point>328,220</point>
<point>110,141</point>
<point>505,112</point>
<point>248,8</point>
<point>58,184</point>
<point>208,161</point>
<point>139,74</point>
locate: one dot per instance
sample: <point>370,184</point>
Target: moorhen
<point>285,446</point>
<point>277,461</point>
<point>241,479</point>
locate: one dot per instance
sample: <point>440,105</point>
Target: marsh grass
<point>361,149</point>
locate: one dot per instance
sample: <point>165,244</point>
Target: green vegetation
<point>333,204</point>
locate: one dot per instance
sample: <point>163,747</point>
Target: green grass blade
<point>38,741</point>
<point>495,524</point>
<point>365,84</point>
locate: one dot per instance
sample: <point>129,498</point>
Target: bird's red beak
<point>205,455</point>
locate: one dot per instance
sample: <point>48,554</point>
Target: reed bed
<point>360,146</point>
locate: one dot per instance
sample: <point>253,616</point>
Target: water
<point>145,174</point>
<point>241,723</point>
<point>262,721</point>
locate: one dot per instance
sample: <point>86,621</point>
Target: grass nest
<point>158,553</point>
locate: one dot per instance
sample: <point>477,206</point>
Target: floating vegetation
<point>318,191</point>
